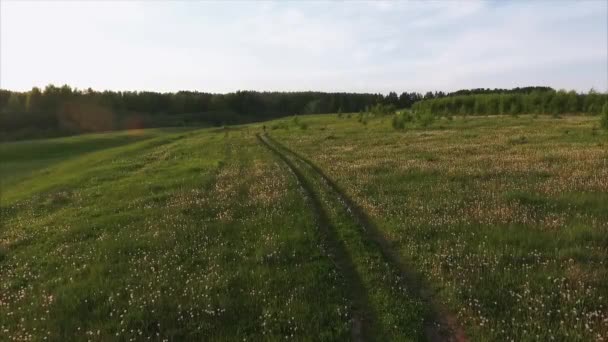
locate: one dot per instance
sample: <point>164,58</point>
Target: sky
<point>304,45</point>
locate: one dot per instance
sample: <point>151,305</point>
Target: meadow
<point>506,217</point>
<point>318,227</point>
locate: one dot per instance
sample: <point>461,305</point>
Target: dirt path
<point>440,325</point>
<point>362,313</point>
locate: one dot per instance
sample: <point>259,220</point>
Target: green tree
<point>514,109</point>
<point>32,100</point>
<point>15,103</point>
<point>572,102</point>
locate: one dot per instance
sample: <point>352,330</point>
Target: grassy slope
<point>187,235</point>
<point>180,236</point>
<point>508,217</point>
<point>21,158</point>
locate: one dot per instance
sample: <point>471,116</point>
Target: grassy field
<point>312,228</point>
<point>507,218</point>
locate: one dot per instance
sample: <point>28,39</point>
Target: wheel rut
<point>362,313</point>
<point>440,325</point>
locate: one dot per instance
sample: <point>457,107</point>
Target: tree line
<point>55,111</point>
<point>532,100</point>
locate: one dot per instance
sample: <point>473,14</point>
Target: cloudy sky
<point>297,45</point>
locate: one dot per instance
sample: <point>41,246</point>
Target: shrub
<point>426,119</point>
<point>398,122</point>
<point>604,119</point>
<point>363,118</point>
<point>400,119</point>
<point>407,117</point>
<point>382,109</point>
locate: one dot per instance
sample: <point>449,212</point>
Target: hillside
<point>341,226</point>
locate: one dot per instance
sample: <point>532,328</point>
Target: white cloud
<point>346,46</point>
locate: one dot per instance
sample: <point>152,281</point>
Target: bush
<point>398,122</point>
<point>604,119</point>
<point>400,119</point>
<point>362,118</point>
<point>382,109</point>
<point>425,118</point>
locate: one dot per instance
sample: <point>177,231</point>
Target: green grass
<point>20,159</point>
<point>392,311</point>
<point>209,235</point>
<point>179,236</point>
<point>507,217</point>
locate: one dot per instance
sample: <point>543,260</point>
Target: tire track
<point>363,315</point>
<point>440,325</point>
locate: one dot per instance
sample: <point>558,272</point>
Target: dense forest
<point>56,111</point>
<point>533,100</point>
